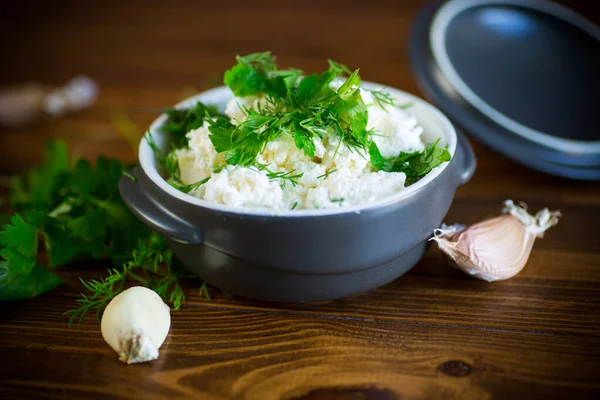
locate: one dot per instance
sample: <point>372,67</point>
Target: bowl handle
<point>467,160</point>
<point>155,216</point>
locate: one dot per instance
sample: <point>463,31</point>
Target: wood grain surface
<point>433,334</point>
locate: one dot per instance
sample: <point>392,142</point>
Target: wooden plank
<point>222,354</point>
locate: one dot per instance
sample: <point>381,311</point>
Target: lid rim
<point>438,28</point>
<point>517,148</point>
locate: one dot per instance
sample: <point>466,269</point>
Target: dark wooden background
<point>435,333</point>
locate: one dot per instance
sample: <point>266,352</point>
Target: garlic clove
<point>135,324</point>
<point>497,248</point>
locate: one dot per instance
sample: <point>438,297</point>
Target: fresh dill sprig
<point>383,99</point>
<point>287,176</point>
<point>152,265</point>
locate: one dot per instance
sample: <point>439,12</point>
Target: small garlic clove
<point>135,324</point>
<point>497,248</point>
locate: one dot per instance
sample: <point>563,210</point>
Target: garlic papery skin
<point>135,324</point>
<point>498,248</point>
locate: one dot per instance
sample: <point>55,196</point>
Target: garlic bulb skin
<point>497,248</point>
<point>135,324</point>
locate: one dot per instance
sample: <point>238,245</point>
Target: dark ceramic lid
<point>522,77</point>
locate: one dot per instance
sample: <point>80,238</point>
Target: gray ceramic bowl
<point>301,255</point>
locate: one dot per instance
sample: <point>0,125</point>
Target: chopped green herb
<point>127,174</point>
<point>383,99</point>
<point>415,165</point>
<point>306,109</point>
<point>339,200</point>
<point>284,176</point>
<point>294,205</point>
<point>188,188</point>
<point>257,73</point>
<point>171,163</point>
<point>326,174</point>
<point>181,121</point>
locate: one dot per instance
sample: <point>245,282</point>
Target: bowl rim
<point>147,161</point>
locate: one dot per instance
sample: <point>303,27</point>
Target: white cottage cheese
<point>353,182</point>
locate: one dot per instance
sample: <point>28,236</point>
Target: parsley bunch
<point>75,213</point>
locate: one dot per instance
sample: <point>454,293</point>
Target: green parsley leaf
<point>39,280</point>
<point>38,188</point>
<point>243,142</point>
<point>18,245</point>
<point>20,235</point>
<point>415,165</point>
<point>255,73</point>
<point>181,121</point>
<point>18,262</point>
<point>348,88</point>
<point>314,89</point>
<point>221,134</point>
<point>337,68</point>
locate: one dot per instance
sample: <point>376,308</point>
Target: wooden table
<point>435,333</point>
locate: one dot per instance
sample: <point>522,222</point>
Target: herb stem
<point>137,277</point>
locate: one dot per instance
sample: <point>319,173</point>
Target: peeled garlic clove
<point>135,324</point>
<point>497,248</point>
